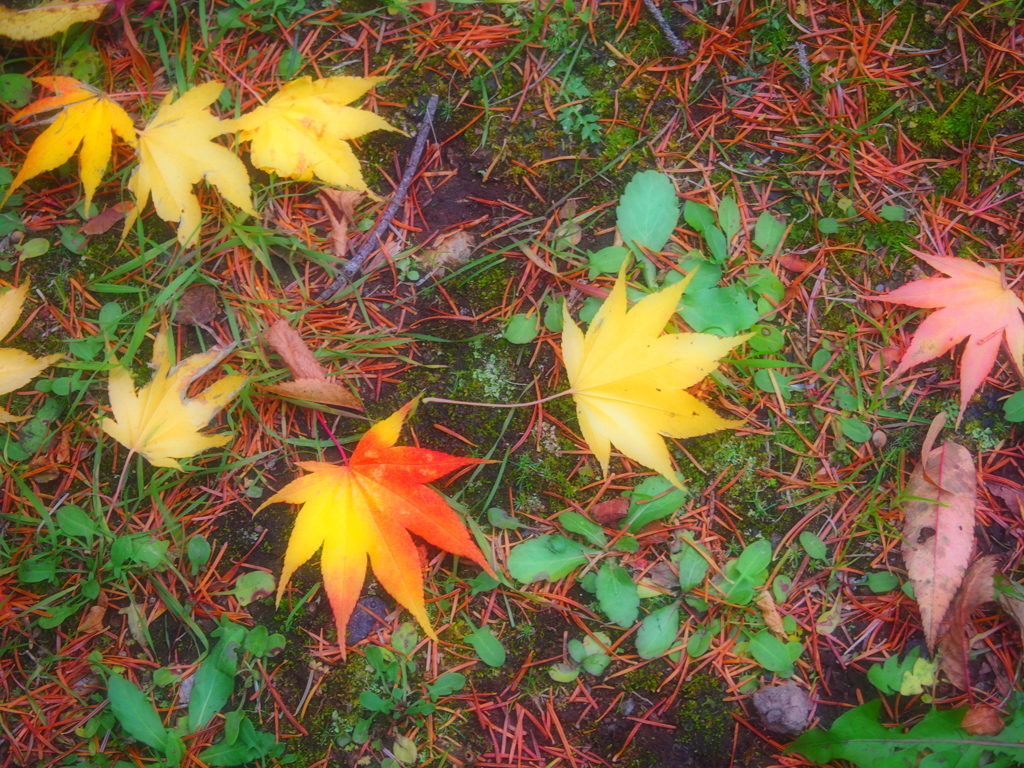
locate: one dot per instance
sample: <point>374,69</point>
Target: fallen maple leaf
<point>17,368</point>
<point>978,588</point>
<point>158,421</point>
<point>303,130</point>
<point>175,152</point>
<point>629,379</point>
<point>974,304</point>
<point>43,21</point>
<point>368,507</point>
<point>310,382</point>
<point>938,532</point>
<point>87,118</point>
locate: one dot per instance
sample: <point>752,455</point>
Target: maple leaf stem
<point>120,482</point>
<point>497,405</point>
<point>323,423</point>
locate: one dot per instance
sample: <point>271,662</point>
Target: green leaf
<point>553,315</point>
<point>31,249</point>
<point>36,569</point>
<point>648,211</point>
<point>768,233</point>
<point>653,499</point>
<point>250,745</point>
<point>446,685</point>
<point>588,529</point>
<point>699,642</point>
<point>15,91</point>
<point>771,653</point>
<point>198,553</point>
<point>814,546</point>
<point>707,275</point>
<point>717,244</point>
<point>546,558</point>
<point>729,218</point>
<point>725,311</point>
<point>563,673</point>
<point>371,701</point>
<point>658,632</point>
<point>617,595</point>
<point>73,521</point>
<point>404,638</point>
<point>607,261</point>
<point>767,339</point>
<point>767,379</point>
<point>763,282</point>
<point>135,712</point>
<point>1013,407</point>
<point>828,226</point>
<point>404,749</point>
<point>487,647</point>
<point>698,215</point>
<point>755,558</point>
<point>893,213</point>
<point>499,518</point>
<point>692,565</point>
<point>882,581</point>
<point>855,429</point>
<point>252,586</point>
<point>215,679</point>
<point>522,328</point>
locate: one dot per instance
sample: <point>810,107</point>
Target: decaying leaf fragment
<point>973,303</point>
<point>982,720</point>
<point>368,507</point>
<point>978,588</point>
<point>303,130</point>
<point>87,118</point>
<point>772,620</point>
<point>176,152</point>
<point>629,379</point>
<point>158,420</point>
<point>310,382</point>
<point>938,532</point>
<point>46,20</point>
<point>17,368</point>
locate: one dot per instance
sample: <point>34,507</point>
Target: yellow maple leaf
<point>158,421</point>
<point>43,21</point>
<point>176,152</point>
<point>87,118</point>
<point>628,378</point>
<point>17,368</point>
<point>303,130</point>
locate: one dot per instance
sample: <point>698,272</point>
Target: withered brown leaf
<point>938,532</point>
<point>978,588</point>
<point>310,382</point>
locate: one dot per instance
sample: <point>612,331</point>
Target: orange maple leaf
<point>973,303</point>
<point>368,507</point>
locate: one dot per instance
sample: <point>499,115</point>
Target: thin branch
<point>372,242</point>
<point>679,48</point>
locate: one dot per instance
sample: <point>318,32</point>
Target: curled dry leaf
<point>105,220</point>
<point>309,383</point>
<point>198,305</point>
<point>1013,498</point>
<point>938,532</point>
<point>46,20</point>
<point>611,511</point>
<point>92,622</point>
<point>340,208</point>
<point>977,589</point>
<point>982,720</point>
<point>449,252</point>
<point>766,603</point>
<point>17,367</point>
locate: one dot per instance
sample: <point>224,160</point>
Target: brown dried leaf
<point>794,263</point>
<point>103,221</point>
<point>938,532</point>
<point>449,252</point>
<point>1012,497</point>
<point>771,616</point>
<point>978,588</point>
<point>198,305</point>
<point>92,622</point>
<point>310,382</point>
<point>287,342</point>
<point>610,511</point>
<point>317,391</point>
<point>340,209</point>
<point>982,720</point>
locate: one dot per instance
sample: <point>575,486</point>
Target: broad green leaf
<point>499,518</point>
<point>588,529</point>
<point>36,569</point>
<point>705,275</point>
<point>135,712</point>
<point>553,316</point>
<point>648,211</point>
<point>252,586</point>
<point>1013,407</point>
<point>698,215</point>
<point>762,281</point>
<point>729,218</point>
<point>250,745</point>
<point>755,558</point>
<point>607,261</point>
<point>882,581</point>
<point>692,565</point>
<point>855,429</point>
<point>446,685</point>
<point>404,638</point>
<point>767,339</point>
<point>655,498</point>
<point>73,521</point>
<point>771,653</point>
<point>717,244</point>
<point>373,702</point>
<point>215,679</point>
<point>404,749</point>
<point>828,226</point>
<point>563,673</point>
<point>546,558</point>
<point>814,546</point>
<point>487,647</point>
<point>658,632</point>
<point>768,232</point>
<point>893,213</point>
<point>768,380</point>
<point>198,553</point>
<point>617,595</point>
<point>725,311</point>
<point>522,328</point>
